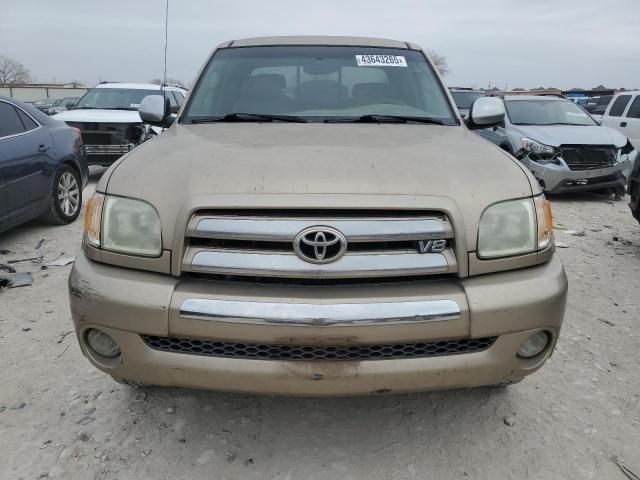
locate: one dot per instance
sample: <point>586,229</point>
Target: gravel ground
<point>61,418</point>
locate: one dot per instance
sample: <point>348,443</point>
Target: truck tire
<point>66,197</point>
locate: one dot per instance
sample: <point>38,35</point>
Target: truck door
<point>612,118</point>
<point>632,120</point>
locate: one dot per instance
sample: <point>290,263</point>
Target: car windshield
<point>114,98</point>
<point>465,99</point>
<point>546,112</point>
<point>319,83</point>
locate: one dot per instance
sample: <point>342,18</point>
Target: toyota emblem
<point>320,244</point>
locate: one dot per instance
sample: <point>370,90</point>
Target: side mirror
<point>70,105</point>
<point>154,110</point>
<point>175,108</point>
<point>486,112</point>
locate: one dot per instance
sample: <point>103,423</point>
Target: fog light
<point>102,343</point>
<point>534,345</point>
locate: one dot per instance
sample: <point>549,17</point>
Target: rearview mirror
<point>486,112</point>
<point>154,110</point>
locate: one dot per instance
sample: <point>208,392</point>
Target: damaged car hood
<point>99,115</point>
<point>281,165</point>
<point>556,135</point>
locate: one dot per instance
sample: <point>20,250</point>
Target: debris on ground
<point>624,469</point>
<point>39,244</point>
<point>7,268</point>
<point>64,335</point>
<point>561,245</point>
<point>509,421</point>
<point>31,259</point>
<point>13,280</point>
<point>61,261</point>
<point>85,420</point>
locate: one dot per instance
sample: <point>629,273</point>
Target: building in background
<point>30,92</point>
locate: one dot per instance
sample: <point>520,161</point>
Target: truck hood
<point>99,116</point>
<point>556,135</point>
<point>276,165</point>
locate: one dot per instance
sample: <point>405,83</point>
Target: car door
<point>25,149</point>
<point>632,121</point>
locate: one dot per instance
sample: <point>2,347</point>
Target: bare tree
<point>440,62</point>
<point>170,81</point>
<point>13,72</point>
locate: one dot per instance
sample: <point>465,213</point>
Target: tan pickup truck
<point>318,220</point>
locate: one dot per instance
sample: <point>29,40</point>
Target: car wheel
<point>66,197</point>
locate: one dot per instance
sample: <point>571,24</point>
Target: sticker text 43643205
<point>381,61</point>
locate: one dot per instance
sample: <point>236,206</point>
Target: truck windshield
<point>546,112</point>
<point>465,99</point>
<point>318,83</point>
<point>115,98</point>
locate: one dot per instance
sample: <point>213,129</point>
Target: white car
<point>108,119</point>
<point>623,114</point>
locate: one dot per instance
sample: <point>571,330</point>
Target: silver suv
<point>565,149</point>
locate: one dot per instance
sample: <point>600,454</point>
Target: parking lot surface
<point>577,417</point>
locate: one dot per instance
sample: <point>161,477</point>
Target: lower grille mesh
<point>316,352</point>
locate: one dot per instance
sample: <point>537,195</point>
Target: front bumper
<point>127,304</point>
<point>561,179</point>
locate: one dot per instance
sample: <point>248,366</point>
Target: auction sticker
<point>381,61</point>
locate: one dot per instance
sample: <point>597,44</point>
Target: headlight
<point>515,227</point>
<point>536,147</point>
<point>123,225</point>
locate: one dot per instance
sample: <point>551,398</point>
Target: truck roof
<point>318,40</point>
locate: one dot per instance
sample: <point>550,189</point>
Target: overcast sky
<point>521,43</point>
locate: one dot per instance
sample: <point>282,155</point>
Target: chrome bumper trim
<point>357,230</point>
<point>289,265</point>
<point>108,149</point>
<point>307,314</point>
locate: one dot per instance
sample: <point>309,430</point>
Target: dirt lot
<point>61,418</point>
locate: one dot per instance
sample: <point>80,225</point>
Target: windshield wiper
<point>105,108</point>
<point>379,118</point>
<point>248,117</point>
<point>552,123</point>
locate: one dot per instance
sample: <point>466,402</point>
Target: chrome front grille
<point>378,244</point>
<point>255,351</point>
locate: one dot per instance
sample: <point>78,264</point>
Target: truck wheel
<point>66,197</point>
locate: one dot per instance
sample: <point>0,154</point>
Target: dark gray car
<point>43,167</point>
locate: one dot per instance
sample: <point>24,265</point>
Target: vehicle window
<point>465,99</point>
<point>634,109</point>
<point>179,97</point>
<point>618,107</point>
<point>319,83</point>
<point>546,112</point>
<point>10,123</point>
<point>28,123</point>
<point>172,99</point>
<point>114,98</point>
